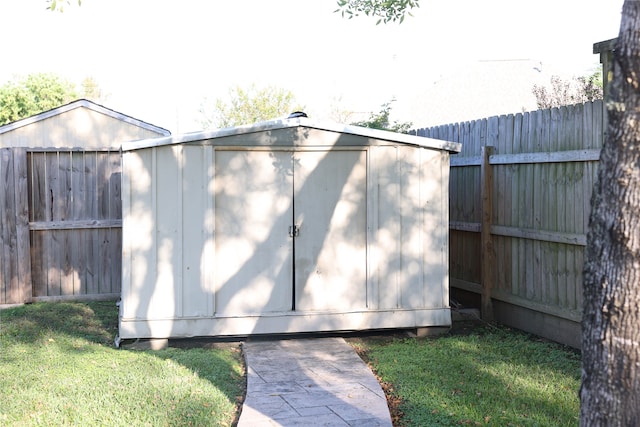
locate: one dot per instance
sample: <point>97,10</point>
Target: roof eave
<point>383,135</point>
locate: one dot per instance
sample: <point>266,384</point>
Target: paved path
<point>310,382</point>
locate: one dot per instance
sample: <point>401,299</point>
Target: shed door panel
<point>253,212</point>
<point>330,211</point>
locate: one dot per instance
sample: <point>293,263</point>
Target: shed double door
<point>290,231</point>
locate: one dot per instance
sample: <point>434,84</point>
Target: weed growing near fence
<point>58,366</point>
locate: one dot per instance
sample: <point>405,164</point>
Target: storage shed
<point>281,227</point>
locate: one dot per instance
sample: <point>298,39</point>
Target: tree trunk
<point>610,390</point>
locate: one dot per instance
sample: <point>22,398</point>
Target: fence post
<point>487,253</point>
<point>605,49</point>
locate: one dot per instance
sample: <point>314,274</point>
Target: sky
<point>159,60</point>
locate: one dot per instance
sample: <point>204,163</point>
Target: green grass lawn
<point>493,376</point>
<point>58,366</point>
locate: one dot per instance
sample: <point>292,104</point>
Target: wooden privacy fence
<point>61,231</point>
<point>520,195</point>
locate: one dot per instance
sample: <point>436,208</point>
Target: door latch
<point>294,231</point>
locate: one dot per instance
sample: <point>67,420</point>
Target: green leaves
<point>246,106</point>
<point>34,94</point>
<point>55,5</point>
<point>385,10</point>
<point>381,121</point>
<point>569,91</point>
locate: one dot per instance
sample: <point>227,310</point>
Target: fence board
<point>52,250</point>
<point>22,225</point>
<point>513,206</point>
<point>5,262</point>
<point>7,227</point>
<point>67,272</point>
<point>78,202</point>
<point>488,252</point>
<point>37,212</point>
<point>91,206</point>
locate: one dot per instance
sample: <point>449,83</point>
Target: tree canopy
<point>24,97</point>
<point>571,91</point>
<point>380,120</point>
<point>246,106</point>
<point>91,90</point>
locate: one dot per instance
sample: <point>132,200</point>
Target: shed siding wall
<point>168,235</point>
<point>138,233</point>
<point>198,227</point>
<point>409,247</point>
<point>387,228</point>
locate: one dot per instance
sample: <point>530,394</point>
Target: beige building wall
<point>81,124</point>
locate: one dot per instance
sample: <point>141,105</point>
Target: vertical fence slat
<point>515,205</point>
<point>52,250</point>
<point>66,196</point>
<point>487,254</point>
<point>103,196</point>
<point>21,179</point>
<point>552,182</point>
<point>91,236</point>
<point>78,240</point>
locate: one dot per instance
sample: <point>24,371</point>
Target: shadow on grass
<point>96,322</point>
<point>79,328</point>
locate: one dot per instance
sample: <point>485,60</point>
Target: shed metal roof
<point>298,122</point>
<point>86,104</point>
